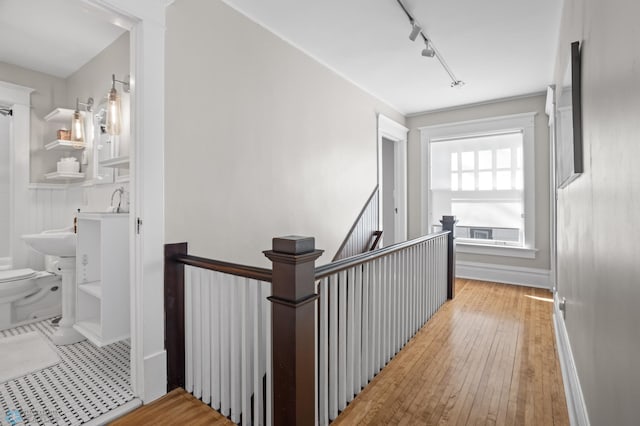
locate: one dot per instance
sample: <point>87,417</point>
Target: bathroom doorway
<point>88,381</point>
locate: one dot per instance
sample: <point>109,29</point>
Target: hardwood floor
<point>176,408</point>
<point>487,357</point>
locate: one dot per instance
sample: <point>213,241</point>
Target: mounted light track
<point>430,50</point>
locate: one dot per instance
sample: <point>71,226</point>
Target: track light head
<point>428,52</point>
<point>415,30</point>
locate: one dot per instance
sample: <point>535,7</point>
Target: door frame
<point>395,132</point>
<point>145,19</point>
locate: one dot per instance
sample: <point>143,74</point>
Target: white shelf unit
<point>57,117</point>
<point>61,145</point>
<point>65,176</point>
<point>102,277</point>
<point>116,163</point>
<point>60,115</point>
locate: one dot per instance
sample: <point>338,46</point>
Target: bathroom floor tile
<point>88,382</point>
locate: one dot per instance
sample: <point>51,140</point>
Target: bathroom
<point>65,61</point>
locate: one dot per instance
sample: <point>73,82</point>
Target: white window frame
<point>524,122</point>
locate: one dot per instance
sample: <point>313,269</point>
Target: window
<point>482,173</point>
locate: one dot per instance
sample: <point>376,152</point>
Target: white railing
<point>369,310</point>
<point>361,236</point>
<point>228,344</point>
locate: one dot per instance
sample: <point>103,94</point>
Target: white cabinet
<point>102,277</point>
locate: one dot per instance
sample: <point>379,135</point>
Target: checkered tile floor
<point>88,382</point>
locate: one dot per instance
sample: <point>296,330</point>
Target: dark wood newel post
<point>293,334</point>
<point>174,314</point>
<point>448,224</point>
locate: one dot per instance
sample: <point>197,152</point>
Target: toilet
<point>28,296</point>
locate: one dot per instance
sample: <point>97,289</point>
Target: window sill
<point>494,250</point>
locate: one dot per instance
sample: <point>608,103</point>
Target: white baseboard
<point>115,413</point>
<point>155,376</point>
<point>530,277</point>
<point>576,406</point>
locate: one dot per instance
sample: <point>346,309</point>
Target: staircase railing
<point>364,229</point>
<point>297,361</point>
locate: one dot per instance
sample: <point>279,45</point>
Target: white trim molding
<point>531,277</point>
<point>496,250</point>
<point>146,21</point>
<point>18,98</point>
<point>396,132</point>
<point>578,415</point>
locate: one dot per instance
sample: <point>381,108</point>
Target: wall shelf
<point>66,176</point>
<point>118,162</point>
<point>60,115</point>
<point>61,145</point>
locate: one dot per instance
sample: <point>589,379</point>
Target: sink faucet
<point>118,191</point>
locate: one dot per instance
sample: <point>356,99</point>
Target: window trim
<point>524,122</point>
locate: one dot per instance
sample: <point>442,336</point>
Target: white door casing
<point>397,133</point>
<point>146,21</point>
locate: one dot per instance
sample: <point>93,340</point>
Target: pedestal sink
<point>63,245</point>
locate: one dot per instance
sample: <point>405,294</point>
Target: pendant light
<point>113,109</point>
<point>77,128</point>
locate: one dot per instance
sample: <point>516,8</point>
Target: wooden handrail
<point>260,274</point>
<point>335,267</point>
<point>377,235</point>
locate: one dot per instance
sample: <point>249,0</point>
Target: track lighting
<point>430,50</point>
<point>415,30</point>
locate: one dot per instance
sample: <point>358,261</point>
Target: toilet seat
<point>16,274</point>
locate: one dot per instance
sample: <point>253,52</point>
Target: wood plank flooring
<point>487,357</point>
<point>176,408</point>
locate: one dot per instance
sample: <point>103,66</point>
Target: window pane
<point>468,182</point>
<point>467,161</point>
<point>454,181</point>
<point>503,158</point>
<point>519,181</point>
<point>454,161</point>
<point>485,181</point>
<point>503,180</point>
<point>484,160</point>
<point>519,157</point>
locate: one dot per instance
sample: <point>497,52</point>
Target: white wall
<point>488,110</point>
<point>261,140</point>
<point>598,252</point>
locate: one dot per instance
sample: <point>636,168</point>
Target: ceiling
<point>499,48</point>
<point>55,37</point>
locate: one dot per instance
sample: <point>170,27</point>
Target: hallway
<point>487,357</point>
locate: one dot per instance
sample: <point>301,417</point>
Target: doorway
<point>392,180</point>
<point>389,209</point>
